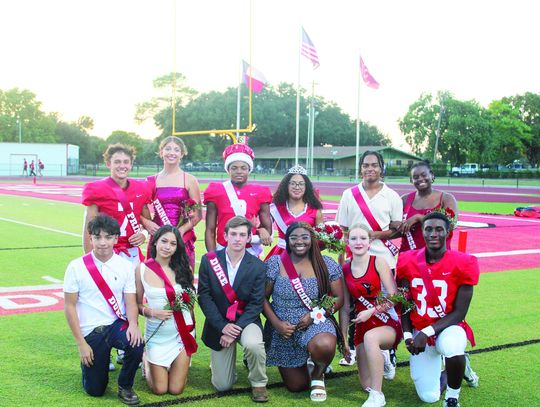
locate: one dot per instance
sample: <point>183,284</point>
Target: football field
<point>39,359</point>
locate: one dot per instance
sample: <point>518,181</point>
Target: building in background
<point>60,160</point>
<point>328,160</point>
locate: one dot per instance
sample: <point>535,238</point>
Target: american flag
<point>308,49</point>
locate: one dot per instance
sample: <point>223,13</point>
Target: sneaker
<point>389,367</point>
<point>112,367</point>
<point>450,402</point>
<point>128,396</point>
<point>375,399</point>
<point>470,375</point>
<point>393,357</point>
<point>328,369</point>
<point>348,362</point>
<point>119,356</point>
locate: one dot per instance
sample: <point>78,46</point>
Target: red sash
<point>408,204</point>
<point>295,280</point>
<point>432,299</point>
<point>237,306</point>
<point>134,226</point>
<point>104,288</point>
<point>371,220</point>
<point>160,211</point>
<point>183,329</point>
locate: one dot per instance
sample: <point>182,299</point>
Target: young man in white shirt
<point>101,311</point>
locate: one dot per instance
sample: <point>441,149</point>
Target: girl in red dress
<point>294,200</point>
<point>377,328</point>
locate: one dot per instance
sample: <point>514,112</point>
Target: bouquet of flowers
<point>402,297</point>
<point>184,301</point>
<point>450,214</point>
<point>330,237</point>
<point>186,210</point>
<point>320,305</point>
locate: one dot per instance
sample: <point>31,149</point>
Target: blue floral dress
<point>287,306</point>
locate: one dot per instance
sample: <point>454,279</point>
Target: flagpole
<point>298,101</point>
<point>356,164</point>
<point>238,97</point>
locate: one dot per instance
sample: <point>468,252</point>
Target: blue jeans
<point>96,377</point>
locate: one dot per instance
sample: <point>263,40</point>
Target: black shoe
<point>128,396</point>
<point>450,402</point>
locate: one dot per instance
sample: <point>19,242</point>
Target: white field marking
<point>52,279</point>
<point>30,288</point>
<point>41,227</point>
<point>489,193</point>
<point>509,253</point>
<point>515,218</point>
<point>472,224</point>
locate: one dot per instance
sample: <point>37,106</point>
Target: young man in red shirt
<point>441,284</point>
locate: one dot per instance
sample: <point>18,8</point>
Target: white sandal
<point>318,395</point>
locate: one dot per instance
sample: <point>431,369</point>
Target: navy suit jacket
<point>249,287</point>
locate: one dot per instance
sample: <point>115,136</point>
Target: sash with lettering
<point>237,306</point>
<point>240,209</point>
<point>295,280</point>
<point>104,288</point>
<point>371,219</point>
<point>133,225</point>
<point>432,299</point>
<point>406,209</point>
<point>183,329</point>
<point>160,211</point>
<point>282,218</point>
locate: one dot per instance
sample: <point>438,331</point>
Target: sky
<point>98,58</point>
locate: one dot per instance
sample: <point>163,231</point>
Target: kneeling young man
<point>231,296</point>
<point>441,284</point>
<point>101,310</point>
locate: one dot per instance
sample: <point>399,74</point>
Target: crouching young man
<point>231,296</point>
<point>441,284</point>
<point>101,310</point>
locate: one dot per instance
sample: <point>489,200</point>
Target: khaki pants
<point>223,362</point>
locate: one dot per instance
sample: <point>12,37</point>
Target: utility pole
<point>20,128</point>
<point>438,130</point>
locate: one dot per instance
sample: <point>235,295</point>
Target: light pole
<point>20,129</point>
<point>438,130</point>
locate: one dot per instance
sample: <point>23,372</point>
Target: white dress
<point>166,344</point>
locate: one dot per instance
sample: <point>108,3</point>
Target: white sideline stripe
<point>52,279</point>
<point>41,227</point>
<point>506,217</point>
<point>509,253</point>
<point>31,288</point>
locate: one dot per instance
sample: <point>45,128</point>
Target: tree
<point>510,133</point>
<point>145,151</point>
<point>464,128</point>
<point>528,107</point>
<point>21,107</point>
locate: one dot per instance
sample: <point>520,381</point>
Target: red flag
<point>257,78</point>
<point>308,50</point>
<point>366,76</point>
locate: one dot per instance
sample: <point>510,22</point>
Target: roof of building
<point>323,152</point>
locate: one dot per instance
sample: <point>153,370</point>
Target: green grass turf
<point>40,361</point>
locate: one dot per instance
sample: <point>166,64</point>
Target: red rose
<point>328,229</point>
<point>449,213</point>
<point>185,297</point>
<point>338,234</point>
<point>190,202</point>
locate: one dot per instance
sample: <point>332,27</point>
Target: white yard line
<point>52,279</point>
<point>30,288</point>
<point>41,227</point>
<point>515,218</point>
<point>509,253</point>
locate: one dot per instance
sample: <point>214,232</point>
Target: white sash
<point>238,205</point>
<point>278,218</point>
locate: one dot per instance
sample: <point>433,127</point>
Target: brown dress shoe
<point>259,394</point>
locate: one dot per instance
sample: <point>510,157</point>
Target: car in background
<point>465,170</point>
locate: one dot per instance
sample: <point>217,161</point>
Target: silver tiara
<point>297,169</point>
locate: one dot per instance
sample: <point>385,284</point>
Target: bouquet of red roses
<point>450,214</point>
<point>186,210</point>
<point>184,301</point>
<point>330,237</point>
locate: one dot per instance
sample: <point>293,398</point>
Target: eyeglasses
<point>297,184</point>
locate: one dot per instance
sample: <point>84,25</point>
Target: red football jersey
<point>252,194</point>
<point>452,271</point>
<point>99,193</point>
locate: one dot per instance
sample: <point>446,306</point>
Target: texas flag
<point>366,76</point>
<point>257,78</point>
